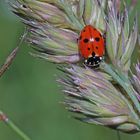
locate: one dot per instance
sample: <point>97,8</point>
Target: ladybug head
<point>93,61</point>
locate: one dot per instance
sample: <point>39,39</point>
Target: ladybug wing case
<point>85,48</point>
<point>90,42</point>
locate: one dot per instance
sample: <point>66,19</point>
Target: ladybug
<point>91,46</point>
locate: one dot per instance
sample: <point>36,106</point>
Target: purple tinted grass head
<point>136,80</point>
<point>90,94</point>
<point>137,67</point>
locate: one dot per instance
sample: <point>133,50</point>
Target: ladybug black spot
<point>86,40</point>
<point>89,49</point>
<point>96,47</point>
<point>93,54</point>
<point>97,39</point>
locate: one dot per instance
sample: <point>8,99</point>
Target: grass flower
<point>91,94</point>
<point>107,96</point>
<point>136,80</point>
<point>55,25</point>
<point>121,41</point>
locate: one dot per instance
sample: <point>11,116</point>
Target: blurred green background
<point>30,96</point>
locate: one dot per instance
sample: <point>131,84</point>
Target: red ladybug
<point>91,45</point>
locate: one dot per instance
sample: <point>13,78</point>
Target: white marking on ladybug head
<point>91,39</point>
<point>89,56</point>
<point>97,55</point>
<point>101,58</point>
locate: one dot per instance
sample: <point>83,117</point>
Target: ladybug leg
<point>77,40</point>
<point>104,35</point>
